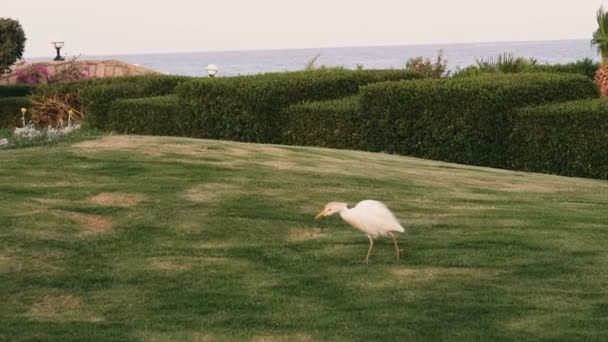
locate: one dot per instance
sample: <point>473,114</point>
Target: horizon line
<point>322,47</point>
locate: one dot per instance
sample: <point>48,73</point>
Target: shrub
<point>506,63</point>
<point>428,68</point>
<point>463,120</point>
<point>94,97</point>
<point>33,75</point>
<point>249,108</point>
<point>10,110</point>
<point>584,66</point>
<point>569,139</point>
<point>332,123</point>
<point>15,90</point>
<point>160,115</point>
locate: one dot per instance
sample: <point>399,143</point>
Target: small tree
<point>12,43</point>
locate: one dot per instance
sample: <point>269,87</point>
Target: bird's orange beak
<point>321,214</point>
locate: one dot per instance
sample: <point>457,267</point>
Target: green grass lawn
<point>166,239</point>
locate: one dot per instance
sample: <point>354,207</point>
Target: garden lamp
<point>58,46</point>
<point>212,69</point>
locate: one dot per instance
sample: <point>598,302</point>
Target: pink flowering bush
<point>36,74</point>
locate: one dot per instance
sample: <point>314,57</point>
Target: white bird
<point>370,217</point>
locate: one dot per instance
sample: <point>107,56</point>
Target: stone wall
<point>93,68</point>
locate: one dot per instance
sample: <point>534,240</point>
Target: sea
<point>232,63</point>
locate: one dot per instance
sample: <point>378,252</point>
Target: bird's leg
<point>369,251</point>
<point>396,244</point>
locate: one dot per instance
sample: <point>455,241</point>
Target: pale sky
<point>109,27</point>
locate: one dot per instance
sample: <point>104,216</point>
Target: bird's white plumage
<point>369,216</point>
<point>372,217</point>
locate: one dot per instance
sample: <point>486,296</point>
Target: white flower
<point>3,142</point>
<point>28,132</point>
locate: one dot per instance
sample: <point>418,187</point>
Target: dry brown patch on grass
<point>60,308</point>
<point>301,337</point>
<point>181,264</point>
<point>6,263</point>
<point>303,234</point>
<point>210,192</point>
<point>117,199</point>
<point>281,165</point>
<point>91,225</point>
<point>429,273</point>
<point>169,265</point>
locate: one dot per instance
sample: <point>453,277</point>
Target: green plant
<point>585,66</point>
<point>506,63</point>
<point>15,90</point>
<point>569,139</point>
<point>159,115</point>
<point>93,97</point>
<point>250,108</point>
<point>428,68</point>
<point>463,120</point>
<point>331,123</point>
<point>12,43</point>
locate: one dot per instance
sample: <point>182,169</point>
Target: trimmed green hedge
<point>97,99</point>
<point>569,139</point>
<point>160,115</point>
<point>585,67</point>
<point>249,108</point>
<point>95,96</point>
<point>463,120</point>
<point>15,90</point>
<point>332,123</point>
<point>10,110</point>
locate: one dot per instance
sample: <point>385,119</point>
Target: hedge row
<point>160,115</point>
<point>10,110</point>
<point>249,108</point>
<point>569,139</point>
<point>95,96</point>
<point>15,90</point>
<point>332,123</point>
<point>464,120</point>
<point>475,121</point>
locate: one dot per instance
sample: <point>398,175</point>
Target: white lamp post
<point>212,70</point>
<point>58,46</point>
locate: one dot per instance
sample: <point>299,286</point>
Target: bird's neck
<point>345,213</point>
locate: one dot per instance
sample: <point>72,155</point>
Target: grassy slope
<point>177,239</point>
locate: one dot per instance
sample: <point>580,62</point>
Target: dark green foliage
<point>506,63</point>
<point>586,66</point>
<point>98,99</point>
<point>568,138</point>
<point>15,90</point>
<point>12,43</point>
<point>249,108</point>
<point>10,110</point>
<point>332,123</point>
<point>94,97</point>
<point>160,115</point>
<point>463,120</point>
